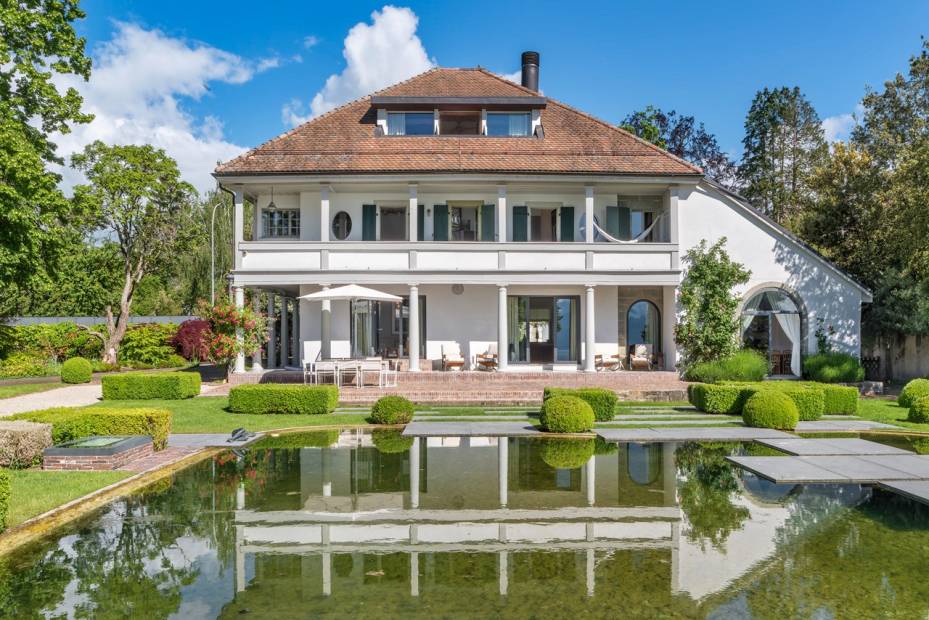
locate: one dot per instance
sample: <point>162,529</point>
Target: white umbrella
<point>350,292</point>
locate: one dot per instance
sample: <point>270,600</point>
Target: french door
<point>543,330</point>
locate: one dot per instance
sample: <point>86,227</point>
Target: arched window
<point>771,324</point>
<point>643,325</point>
<point>643,462</point>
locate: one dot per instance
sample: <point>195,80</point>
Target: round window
<point>341,225</point>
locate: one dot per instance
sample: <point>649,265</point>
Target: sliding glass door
<point>383,328</point>
<point>542,330</point>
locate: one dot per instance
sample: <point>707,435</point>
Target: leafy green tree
<point>708,323</point>
<point>684,137</point>
<point>136,197</point>
<point>37,44</point>
<point>783,144</point>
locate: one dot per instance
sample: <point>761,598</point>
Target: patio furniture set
<point>373,371</point>
<point>640,357</point>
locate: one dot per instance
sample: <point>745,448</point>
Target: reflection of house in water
<point>480,506</point>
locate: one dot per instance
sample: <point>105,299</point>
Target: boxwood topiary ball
<point>567,453</point>
<point>771,409</point>
<point>76,370</point>
<point>566,414</point>
<point>392,410</point>
<point>913,391</point>
<point>919,411</point>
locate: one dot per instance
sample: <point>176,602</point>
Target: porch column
<point>239,293</point>
<point>295,346</point>
<point>673,235</point>
<point>668,320</point>
<point>589,213</point>
<point>591,471</point>
<point>325,347</point>
<point>590,327</point>
<point>502,338</point>
<point>503,470</point>
<point>413,212</point>
<point>501,213</point>
<point>238,227</point>
<point>414,326</point>
<point>414,473</point>
<point>285,333</point>
<point>324,213</point>
<point>256,306</point>
<point>272,328</point>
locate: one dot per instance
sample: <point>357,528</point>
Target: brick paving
<point>159,459</point>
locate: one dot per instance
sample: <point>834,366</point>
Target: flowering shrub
<point>220,342</point>
<point>188,340</point>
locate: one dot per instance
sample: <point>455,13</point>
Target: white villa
<point>471,198</point>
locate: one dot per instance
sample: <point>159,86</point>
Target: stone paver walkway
<point>840,426</point>
<point>914,489</point>
<point>208,440</point>
<point>719,433</point>
<point>839,468</point>
<point>65,396</point>
<point>798,446</point>
<point>469,429</point>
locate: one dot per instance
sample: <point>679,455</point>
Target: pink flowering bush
<point>219,343</point>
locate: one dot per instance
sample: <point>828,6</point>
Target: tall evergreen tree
<point>783,144</point>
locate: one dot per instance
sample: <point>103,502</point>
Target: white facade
<point>466,285</point>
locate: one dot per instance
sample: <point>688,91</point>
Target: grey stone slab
<point>208,440</point>
<point>915,466</point>
<point>469,429</point>
<point>834,446</point>
<point>914,489</point>
<point>787,469</point>
<point>719,433</point>
<point>663,422</point>
<point>838,426</point>
<point>860,469</point>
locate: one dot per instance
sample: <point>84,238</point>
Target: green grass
<point>208,414</point>
<point>18,389</point>
<point>34,491</point>
<point>887,411</point>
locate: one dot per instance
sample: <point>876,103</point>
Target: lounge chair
<point>369,367</point>
<point>641,357</point>
<point>488,359</point>
<point>325,369</point>
<point>451,357</point>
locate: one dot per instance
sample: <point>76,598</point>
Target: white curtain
<point>746,321</point>
<point>790,323</point>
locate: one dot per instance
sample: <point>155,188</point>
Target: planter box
<point>97,453</point>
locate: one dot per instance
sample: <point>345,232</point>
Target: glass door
<point>542,330</point>
<point>566,329</point>
<point>517,330</point>
<point>364,333</point>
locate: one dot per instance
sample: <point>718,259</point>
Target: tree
<point>37,44</point>
<point>684,137</point>
<point>137,197</point>
<point>783,144</point>
<point>708,325</point>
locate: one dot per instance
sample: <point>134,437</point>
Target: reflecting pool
<point>356,524</point>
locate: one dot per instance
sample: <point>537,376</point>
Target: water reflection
<point>362,524</point>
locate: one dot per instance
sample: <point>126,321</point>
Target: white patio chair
<point>451,356</point>
<point>309,360</point>
<point>324,369</point>
<point>368,367</point>
<point>389,374</point>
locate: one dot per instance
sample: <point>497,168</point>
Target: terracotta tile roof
<point>343,140</point>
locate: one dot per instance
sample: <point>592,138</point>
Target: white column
<point>327,574</point>
<point>591,481</point>
<point>285,333</point>
<point>272,345</point>
<point>502,339</point>
<point>414,473</point>
<point>501,213</point>
<point>324,213</point>
<point>668,321</point>
<point>589,213</point>
<point>590,328</point>
<point>591,575</point>
<point>414,328</point>
<point>296,349</point>
<point>239,294</point>
<point>673,235</point>
<point>504,572</point>
<point>414,573</point>
<point>256,305</point>
<point>414,209</point>
<point>503,469</point>
<point>238,227</point>
<point>325,344</point>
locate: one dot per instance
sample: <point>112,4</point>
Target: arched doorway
<point>643,327</point>
<point>772,324</point>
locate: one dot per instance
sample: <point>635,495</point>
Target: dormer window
<point>459,123</point>
<point>410,124</point>
<point>512,124</point>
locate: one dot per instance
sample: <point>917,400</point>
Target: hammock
<point>635,239</point>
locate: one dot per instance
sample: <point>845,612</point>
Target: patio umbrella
<point>350,292</point>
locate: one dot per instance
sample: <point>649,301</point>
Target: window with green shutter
<point>520,223</point>
<point>487,223</point>
<point>368,222</point>
<point>618,222</point>
<point>440,223</point>
<point>420,222</point>
<point>567,223</point>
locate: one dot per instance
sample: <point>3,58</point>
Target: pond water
<point>354,524</point>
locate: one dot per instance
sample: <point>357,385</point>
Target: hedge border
<point>272,398</point>
<point>151,386</point>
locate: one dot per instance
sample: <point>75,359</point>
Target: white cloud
<point>839,127</point>
<point>136,90</point>
<point>516,76</point>
<point>310,41</point>
<point>378,54</point>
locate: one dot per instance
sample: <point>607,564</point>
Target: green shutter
<point>612,221</point>
<point>567,223</point>
<point>420,222</point>
<point>368,222</point>
<point>440,223</point>
<point>624,231</point>
<point>487,223</point>
<point>520,223</point>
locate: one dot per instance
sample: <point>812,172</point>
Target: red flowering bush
<point>188,341</point>
<point>220,344</point>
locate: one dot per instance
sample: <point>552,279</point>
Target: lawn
<point>34,491</point>
<point>887,411</point>
<point>18,389</point>
<point>207,414</point>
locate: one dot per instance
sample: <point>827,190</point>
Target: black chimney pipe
<point>531,70</point>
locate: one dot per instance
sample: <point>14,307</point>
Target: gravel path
<point>65,396</point>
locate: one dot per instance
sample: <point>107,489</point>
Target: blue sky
<point>207,79</point>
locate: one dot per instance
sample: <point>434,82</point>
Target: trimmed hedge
<point>833,368</point>
<point>392,410</point>
<point>148,386</point>
<point>809,398</point>
<point>722,398</point>
<point>913,391</point>
<point>76,370</point>
<point>4,497</point>
<point>22,443</point>
<point>281,398</point>
<point>809,401</point>
<point>919,411</point>
<point>839,399</point>
<point>69,423</point>
<point>566,414</point>
<point>567,453</point>
<point>745,365</point>
<point>390,441</point>
<point>601,400</point>
<point>771,409</point>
